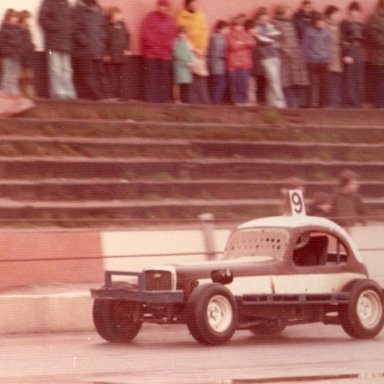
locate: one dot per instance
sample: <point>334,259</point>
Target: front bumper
<point>157,297</point>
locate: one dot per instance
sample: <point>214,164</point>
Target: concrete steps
<point>70,162</point>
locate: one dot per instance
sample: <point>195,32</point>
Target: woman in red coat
<point>239,60</point>
<point>158,37</point>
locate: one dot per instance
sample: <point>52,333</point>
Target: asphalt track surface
<point>169,355</point>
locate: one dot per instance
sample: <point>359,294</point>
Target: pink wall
<point>49,245</point>
<point>135,10</point>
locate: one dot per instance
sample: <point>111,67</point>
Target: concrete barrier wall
<point>53,252</point>
<point>82,257</point>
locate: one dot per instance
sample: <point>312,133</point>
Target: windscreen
<point>262,243</point>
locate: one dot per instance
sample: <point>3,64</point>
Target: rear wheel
<point>363,316</point>
<point>211,314</point>
<point>115,320</point>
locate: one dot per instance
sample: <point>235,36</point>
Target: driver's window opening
<point>317,249</point>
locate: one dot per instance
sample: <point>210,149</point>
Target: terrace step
<point>183,148</point>
<point>102,212</point>
<point>121,189</point>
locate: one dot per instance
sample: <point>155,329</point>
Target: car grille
<point>158,280</point>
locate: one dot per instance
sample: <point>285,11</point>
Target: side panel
<point>290,284</point>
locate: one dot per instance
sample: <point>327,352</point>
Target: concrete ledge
<point>45,313</point>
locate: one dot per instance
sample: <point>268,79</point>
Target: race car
<point>275,272</point>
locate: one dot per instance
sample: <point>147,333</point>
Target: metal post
<point>208,230</point>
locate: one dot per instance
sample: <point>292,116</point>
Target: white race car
<point>275,272</point>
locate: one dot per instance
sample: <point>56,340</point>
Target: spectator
<point>303,18</point>
<point>376,39</point>
<point>321,205</point>
<point>249,26</point>
<point>348,208</point>
<point>11,46</point>
<point>198,34</point>
<point>183,62</point>
<point>89,50</point>
<point>239,59</point>
<point>269,56</point>
<point>317,49</point>
<point>117,51</point>
<point>294,74</point>
<point>27,53</point>
<point>158,37</point>
<point>55,18</point>
<point>352,38</point>
<point>335,67</point>
<point>217,54</point>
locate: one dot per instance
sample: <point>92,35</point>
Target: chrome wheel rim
<point>219,313</point>
<point>369,309</point>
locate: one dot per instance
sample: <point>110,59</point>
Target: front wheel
<point>115,321</point>
<point>211,314</point>
<point>363,316</point>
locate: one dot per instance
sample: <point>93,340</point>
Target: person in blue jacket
<point>217,61</point>
<point>317,51</point>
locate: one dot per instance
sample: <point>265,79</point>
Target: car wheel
<point>271,328</point>
<point>363,316</point>
<point>114,320</point>
<point>211,314</point>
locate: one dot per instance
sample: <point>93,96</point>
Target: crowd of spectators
<point>286,58</point>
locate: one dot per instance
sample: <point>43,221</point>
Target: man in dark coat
<point>89,49</point>
<point>303,17</point>
<point>117,50</point>
<point>55,17</point>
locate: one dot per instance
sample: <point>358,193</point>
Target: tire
<point>271,328</point>
<point>211,314</point>
<point>113,320</point>
<point>363,316</point>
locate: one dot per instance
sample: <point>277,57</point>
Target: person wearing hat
<point>158,34</point>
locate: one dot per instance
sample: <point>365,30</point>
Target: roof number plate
<point>297,202</point>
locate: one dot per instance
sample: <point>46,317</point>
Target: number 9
<point>297,203</point>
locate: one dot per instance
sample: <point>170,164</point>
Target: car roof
<point>291,222</point>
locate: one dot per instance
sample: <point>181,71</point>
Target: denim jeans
<point>318,74</point>
<point>274,92</point>
<point>11,70</point>
<point>218,87</point>
<point>239,85</point>
<point>295,96</point>
<point>379,90</point>
<point>335,89</point>
<point>60,76</point>
<point>354,79</point>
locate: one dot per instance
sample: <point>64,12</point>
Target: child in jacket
<point>183,63</point>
